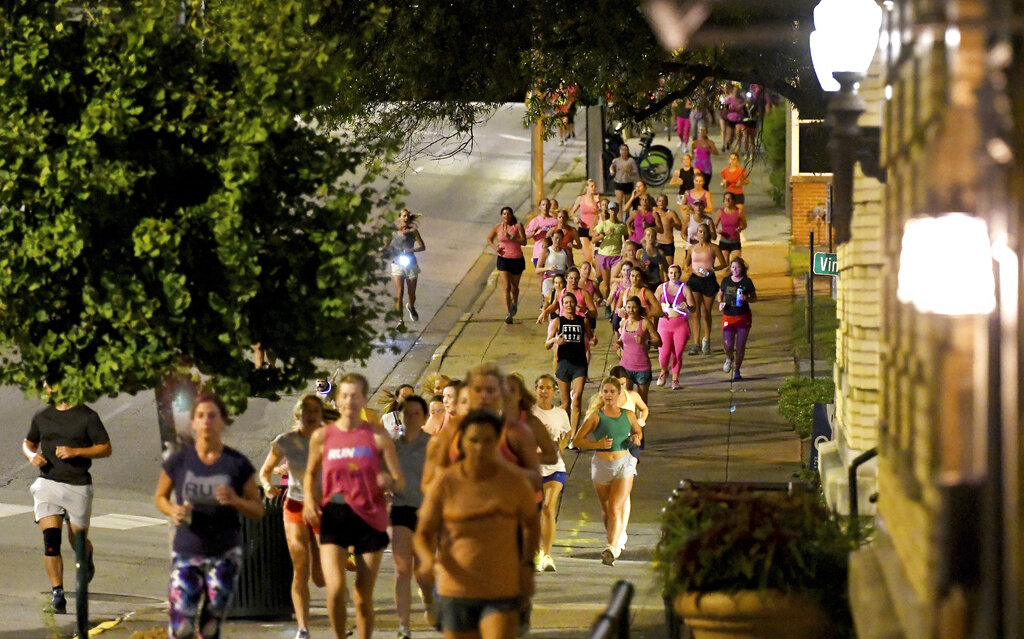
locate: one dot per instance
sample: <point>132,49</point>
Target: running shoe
<point>727,366</point>
<point>608,555</point>
<point>508,318</point>
<point>661,379</point>
<point>58,602</point>
<point>403,633</point>
<point>736,377</point>
<point>538,561</point>
<point>622,541</point>
<point>675,383</point>
<point>303,633</point>
<point>549,564</point>
<point>693,349</point>
<point>706,346</point>
<point>514,309</point>
<point>413,315</point>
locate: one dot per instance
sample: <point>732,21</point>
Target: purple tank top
<point>702,159</point>
<point>640,222</point>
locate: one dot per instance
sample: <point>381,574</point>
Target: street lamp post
<point>842,46</point>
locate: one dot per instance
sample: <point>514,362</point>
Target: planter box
<point>752,614</point>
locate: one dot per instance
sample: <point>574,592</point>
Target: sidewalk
<point>711,429</point>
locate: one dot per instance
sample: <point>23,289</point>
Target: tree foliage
<point>446,65</point>
<point>164,203</point>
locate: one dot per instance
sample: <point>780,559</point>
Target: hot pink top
<point>351,463</point>
<point>640,222</point>
<point>730,224</point>
<point>634,356</point>
<point>513,248</point>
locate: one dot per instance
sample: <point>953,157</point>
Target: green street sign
<point>825,264</point>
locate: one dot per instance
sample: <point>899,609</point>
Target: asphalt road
<point>460,199</point>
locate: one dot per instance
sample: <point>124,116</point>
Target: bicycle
<point>653,160</point>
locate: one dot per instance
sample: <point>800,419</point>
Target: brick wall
<point>810,193</point>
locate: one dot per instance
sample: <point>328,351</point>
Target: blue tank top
<point>617,428</point>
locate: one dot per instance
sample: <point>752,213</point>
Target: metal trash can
<point>265,581</point>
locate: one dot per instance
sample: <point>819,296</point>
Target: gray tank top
<point>411,457</point>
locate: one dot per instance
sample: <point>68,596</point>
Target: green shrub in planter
<point>728,538</point>
<point>797,397</point>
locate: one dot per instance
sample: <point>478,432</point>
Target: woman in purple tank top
<point>351,510</point>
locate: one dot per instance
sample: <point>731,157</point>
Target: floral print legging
<point>191,579</point>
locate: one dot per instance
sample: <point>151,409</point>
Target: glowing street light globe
<point>845,38</point>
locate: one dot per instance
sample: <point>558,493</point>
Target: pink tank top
<point>634,356</point>
<point>581,309</point>
<point>513,248</point>
<point>730,224</point>
<point>702,260</point>
<point>351,463</point>
<point>588,211</point>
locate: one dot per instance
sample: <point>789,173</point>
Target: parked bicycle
<point>653,160</point>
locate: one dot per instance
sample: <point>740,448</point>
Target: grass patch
<point>797,397</point>
<point>825,325</point>
<point>566,178</point>
<point>799,262</point>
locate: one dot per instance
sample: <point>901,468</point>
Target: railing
<point>614,621</point>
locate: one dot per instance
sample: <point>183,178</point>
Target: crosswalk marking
<point>124,522</point>
<point>6,510</point>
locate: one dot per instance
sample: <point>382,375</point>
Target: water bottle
<point>739,291</point>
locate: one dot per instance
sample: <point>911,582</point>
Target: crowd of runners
<point>462,478</point>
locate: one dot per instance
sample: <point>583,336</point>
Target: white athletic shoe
<point>727,366</point>
<point>549,564</point>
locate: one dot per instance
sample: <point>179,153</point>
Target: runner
<point>731,220</point>
<point>303,546</point>
<point>703,260</point>
<point>441,421</point>
<point>62,441</point>
<point>734,299</point>
<point>212,483</point>
<point>625,174</point>
<point>556,421</point>
<point>703,148</point>
<point>554,260</point>
<point>433,384</point>
<point>519,403</point>
<point>669,222</point>
<point>350,456</point>
<point>641,219</point>
<point>734,178</point>
<point>673,326</point>
<point>629,399</point>
<point>652,262</point>
<point>391,403</point>
<point>584,211</point>
<point>607,432</point>
<point>570,333</point>
<point>405,243</point>
<point>476,536</point>
<point>636,335</point>
<point>609,235</point>
<point>508,239</point>
<point>683,177</point>
<point>411,448</point>
<point>539,225</point>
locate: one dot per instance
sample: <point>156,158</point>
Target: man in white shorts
<point>62,442</point>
